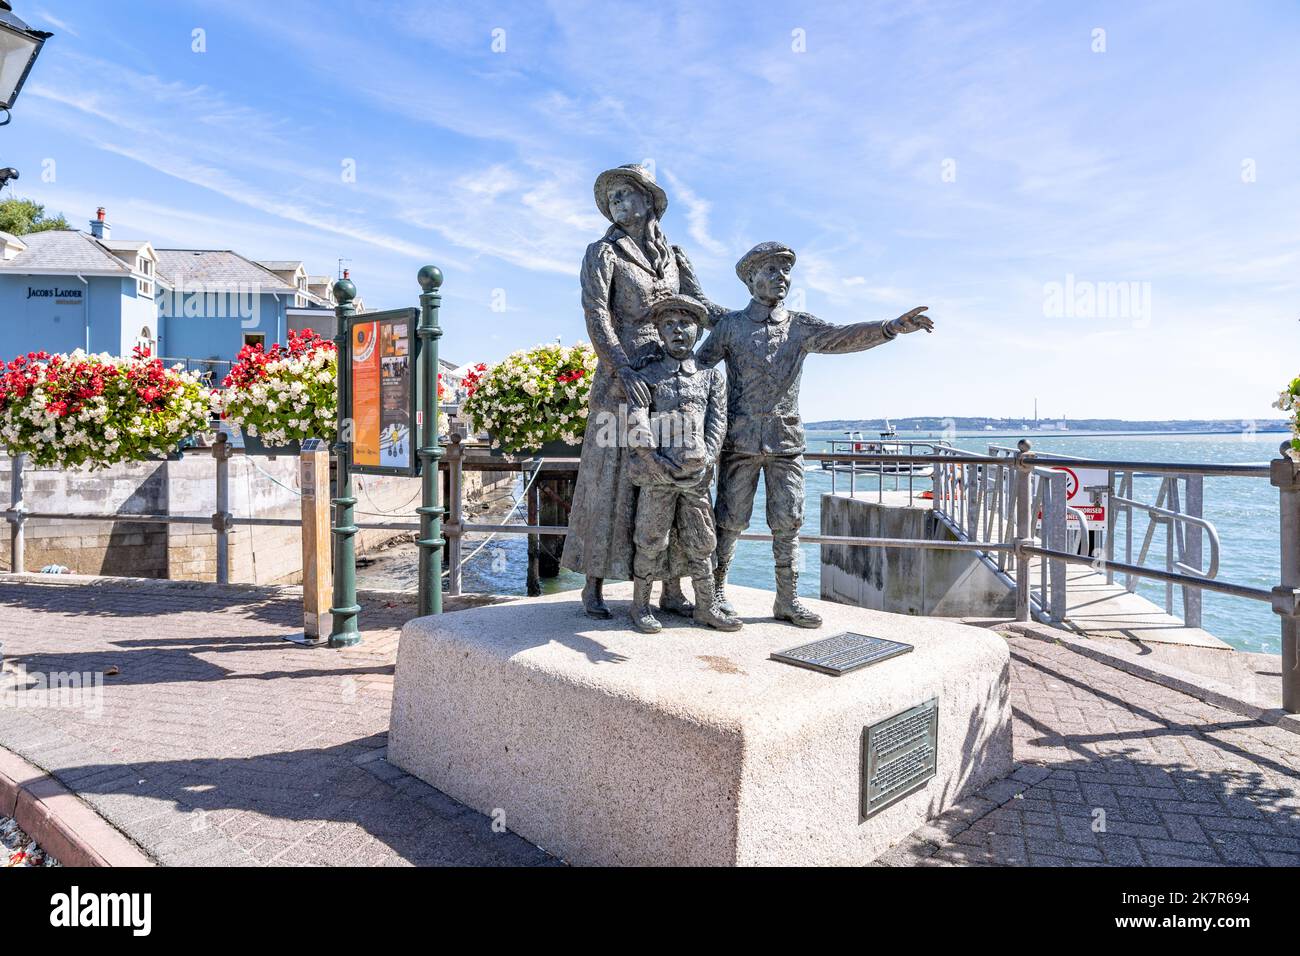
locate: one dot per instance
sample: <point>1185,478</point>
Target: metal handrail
<point>1164,513</point>
<point>1172,577</point>
<point>1179,524</point>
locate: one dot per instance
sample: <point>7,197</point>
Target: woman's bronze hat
<point>634,173</point>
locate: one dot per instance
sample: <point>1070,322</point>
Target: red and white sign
<point>1078,497</point>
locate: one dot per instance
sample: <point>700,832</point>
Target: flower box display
<point>534,401</point>
<point>98,410</point>
<point>282,395</point>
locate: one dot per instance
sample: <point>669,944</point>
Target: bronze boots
<point>707,610</point>
<point>642,619</point>
<point>788,607</point>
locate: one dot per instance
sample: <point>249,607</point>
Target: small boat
<point>887,444</point>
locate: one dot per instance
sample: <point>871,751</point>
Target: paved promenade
<point>220,743</point>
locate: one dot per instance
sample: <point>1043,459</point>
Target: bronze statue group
<point>642,508</point>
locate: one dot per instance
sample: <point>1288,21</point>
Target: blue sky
<point>965,156</point>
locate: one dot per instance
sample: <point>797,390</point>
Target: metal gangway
<point>977,499</point>
<point>979,502</point>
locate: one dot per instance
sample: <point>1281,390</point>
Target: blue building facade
<point>63,289</point>
<point>216,302</point>
<point>59,292</point>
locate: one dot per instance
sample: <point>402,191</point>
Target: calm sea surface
<point>1244,511</point>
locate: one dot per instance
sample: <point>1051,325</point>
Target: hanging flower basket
<point>534,401</point>
<point>97,410</point>
<point>281,396</point>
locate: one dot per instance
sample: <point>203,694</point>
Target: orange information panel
<point>383,392</point>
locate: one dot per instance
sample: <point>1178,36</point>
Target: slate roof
<point>64,251</point>
<point>216,270</point>
<point>123,245</point>
<point>280,265</point>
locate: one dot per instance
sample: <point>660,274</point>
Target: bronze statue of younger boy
<point>674,446</point>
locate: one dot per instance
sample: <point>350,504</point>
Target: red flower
<point>473,378</point>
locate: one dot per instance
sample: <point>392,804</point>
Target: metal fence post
<point>17,540</point>
<point>221,454</point>
<point>1285,476</point>
<point>452,531</point>
<point>1108,545</point>
<point>1126,491</point>
<point>533,583</point>
<point>430,511</point>
<point>345,608</point>
<point>1024,530</point>
<point>1192,552</point>
<point>1057,531</point>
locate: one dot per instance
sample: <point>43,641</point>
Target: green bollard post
<point>430,511</point>
<point>345,609</point>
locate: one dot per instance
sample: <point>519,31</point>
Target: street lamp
<point>20,45</point>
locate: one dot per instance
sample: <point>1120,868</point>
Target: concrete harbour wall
<point>904,580</point>
<point>260,487</point>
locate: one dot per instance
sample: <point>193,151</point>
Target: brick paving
<point>220,743</point>
<point>1115,770</point>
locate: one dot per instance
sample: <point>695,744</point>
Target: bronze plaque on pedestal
<point>899,754</point>
<point>841,653</point>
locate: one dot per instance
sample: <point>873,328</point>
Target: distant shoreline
<point>1053,433</point>
<point>1094,427</point>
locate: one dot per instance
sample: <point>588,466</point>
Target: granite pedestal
<point>689,747</point>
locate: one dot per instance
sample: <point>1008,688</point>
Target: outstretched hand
<point>914,321</point>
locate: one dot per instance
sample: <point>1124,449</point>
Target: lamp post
<point>20,45</point>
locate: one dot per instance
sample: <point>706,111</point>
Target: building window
<point>255,338</point>
<point>144,282</point>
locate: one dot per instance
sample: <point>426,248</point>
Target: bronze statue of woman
<point>622,273</point>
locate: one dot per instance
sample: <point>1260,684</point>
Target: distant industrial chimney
<point>99,227</point>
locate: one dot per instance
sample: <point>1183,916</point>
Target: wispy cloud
<point>697,215</point>
<point>150,121</point>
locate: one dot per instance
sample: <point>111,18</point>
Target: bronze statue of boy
<point>675,443</point>
<point>764,347</point>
